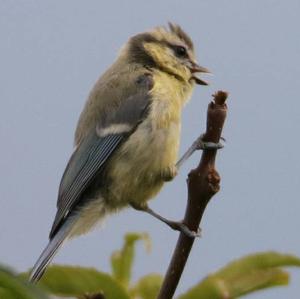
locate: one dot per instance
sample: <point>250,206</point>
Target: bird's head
<point>170,50</point>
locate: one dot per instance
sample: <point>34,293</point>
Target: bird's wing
<point>91,155</point>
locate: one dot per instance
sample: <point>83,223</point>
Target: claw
<point>206,145</point>
<point>180,226</point>
<point>190,233</point>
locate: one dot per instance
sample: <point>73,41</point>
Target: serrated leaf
<point>147,287</point>
<point>14,287</point>
<point>122,260</point>
<point>67,281</point>
<point>243,276</point>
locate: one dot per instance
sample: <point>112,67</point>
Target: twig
<point>203,182</point>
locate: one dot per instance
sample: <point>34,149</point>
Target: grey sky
<point>52,52</point>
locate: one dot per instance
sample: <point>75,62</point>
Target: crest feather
<point>177,30</point>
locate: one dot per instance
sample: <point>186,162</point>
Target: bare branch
<point>203,182</point>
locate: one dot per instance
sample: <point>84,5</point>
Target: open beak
<point>195,68</point>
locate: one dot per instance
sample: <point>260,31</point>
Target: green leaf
<point>243,276</point>
<point>262,260</point>
<point>67,281</point>
<point>14,287</point>
<point>122,260</point>
<point>4,293</point>
<point>147,287</point>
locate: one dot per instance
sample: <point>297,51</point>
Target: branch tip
<point>220,97</point>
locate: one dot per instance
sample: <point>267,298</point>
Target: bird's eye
<point>180,51</point>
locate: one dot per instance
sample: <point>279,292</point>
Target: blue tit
<point>127,137</point>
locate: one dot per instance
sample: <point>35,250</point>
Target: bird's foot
<point>180,226</point>
<point>175,225</point>
<point>206,145</point>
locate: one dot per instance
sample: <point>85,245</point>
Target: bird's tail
<point>51,249</point>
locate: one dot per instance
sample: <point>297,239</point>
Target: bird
<point>127,137</point>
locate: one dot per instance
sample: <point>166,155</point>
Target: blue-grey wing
<point>93,152</point>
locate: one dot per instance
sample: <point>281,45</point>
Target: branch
<point>203,182</point>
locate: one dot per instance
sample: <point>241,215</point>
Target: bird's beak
<point>195,68</point>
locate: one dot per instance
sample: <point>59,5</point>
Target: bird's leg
<point>198,144</point>
<point>176,225</point>
<point>168,174</point>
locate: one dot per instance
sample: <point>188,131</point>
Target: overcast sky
<point>52,52</point>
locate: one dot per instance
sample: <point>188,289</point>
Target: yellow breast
<point>136,168</point>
